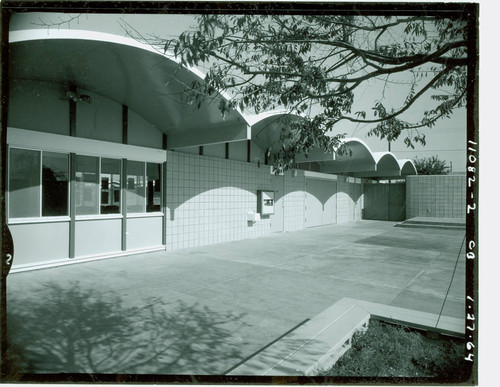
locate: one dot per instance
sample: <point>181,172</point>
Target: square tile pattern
<point>436,196</point>
<point>208,199</point>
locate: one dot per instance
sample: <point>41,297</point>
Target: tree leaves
<point>313,65</point>
<point>431,166</point>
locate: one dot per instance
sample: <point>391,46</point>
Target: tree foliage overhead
<point>316,66</point>
<point>432,165</point>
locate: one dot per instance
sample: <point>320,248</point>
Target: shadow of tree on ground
<point>77,330</point>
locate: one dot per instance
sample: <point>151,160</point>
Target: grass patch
<point>387,350</point>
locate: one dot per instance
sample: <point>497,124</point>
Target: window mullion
<point>163,191</point>
<point>122,184</point>
<point>69,184</point>
<point>41,185</point>
<point>99,187</point>
<point>123,202</point>
<point>145,183</point>
<point>72,203</point>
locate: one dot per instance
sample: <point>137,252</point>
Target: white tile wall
<point>436,196</point>
<point>208,199</point>
<point>349,199</point>
<point>343,200</point>
<point>295,201</point>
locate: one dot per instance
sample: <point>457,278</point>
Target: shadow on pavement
<point>78,330</point>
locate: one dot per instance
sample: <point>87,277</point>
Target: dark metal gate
<point>385,201</point>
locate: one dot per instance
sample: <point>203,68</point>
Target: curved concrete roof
<point>386,165</point>
<point>266,127</point>
<point>258,119</point>
<point>128,72</point>
<point>360,161</point>
<point>386,162</point>
<point>358,157</point>
<point>407,167</point>
<point>152,84</point>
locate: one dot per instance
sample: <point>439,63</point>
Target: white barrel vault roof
<point>152,84</point>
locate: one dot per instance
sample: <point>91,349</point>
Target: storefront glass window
<point>153,171</point>
<point>39,185</point>
<point>87,185</point>
<point>110,186</point>
<point>136,192</point>
<point>54,184</point>
<point>24,183</point>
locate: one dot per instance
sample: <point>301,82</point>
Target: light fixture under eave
<point>72,96</point>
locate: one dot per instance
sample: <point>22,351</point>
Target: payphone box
<point>265,202</point>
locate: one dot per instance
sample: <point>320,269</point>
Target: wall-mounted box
<point>253,217</point>
<point>265,202</point>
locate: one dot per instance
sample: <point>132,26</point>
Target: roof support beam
<point>315,155</point>
<point>72,114</point>
<point>378,174</point>
<point>347,166</point>
<point>216,134</point>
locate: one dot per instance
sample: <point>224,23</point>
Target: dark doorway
<point>385,201</point>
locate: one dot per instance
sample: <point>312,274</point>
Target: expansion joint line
<point>309,255</point>
<point>451,281</point>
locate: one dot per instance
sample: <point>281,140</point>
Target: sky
<point>447,139</point>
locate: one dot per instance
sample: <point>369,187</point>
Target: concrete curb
<point>319,343</point>
<point>316,345</point>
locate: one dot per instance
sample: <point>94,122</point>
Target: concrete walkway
<point>203,310</point>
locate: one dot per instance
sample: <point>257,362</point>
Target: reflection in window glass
<point>154,187</point>
<point>110,186</point>
<point>24,183</point>
<point>135,187</point>
<point>87,185</point>
<point>54,184</point>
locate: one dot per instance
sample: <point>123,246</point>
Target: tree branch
<point>404,108</point>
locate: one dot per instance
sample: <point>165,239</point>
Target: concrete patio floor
<point>201,311</point>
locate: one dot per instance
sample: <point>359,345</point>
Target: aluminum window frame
<point>48,146</point>
<point>40,218</point>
